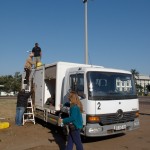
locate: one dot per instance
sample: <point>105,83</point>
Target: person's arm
<point>33,51</point>
<point>72,117</point>
<point>67,104</point>
<point>40,53</point>
<point>30,93</point>
<point>31,62</point>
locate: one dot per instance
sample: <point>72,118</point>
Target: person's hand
<point>32,89</point>
<point>61,105</point>
<point>60,121</point>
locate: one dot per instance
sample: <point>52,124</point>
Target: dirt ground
<point>43,137</point>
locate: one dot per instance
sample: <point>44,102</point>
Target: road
<point>144,100</point>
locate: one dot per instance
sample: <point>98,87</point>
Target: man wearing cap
<point>37,53</point>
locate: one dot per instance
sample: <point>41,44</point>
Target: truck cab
<point>109,98</point>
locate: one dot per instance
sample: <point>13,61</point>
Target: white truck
<point>108,96</point>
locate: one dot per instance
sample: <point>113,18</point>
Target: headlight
<point>95,130</point>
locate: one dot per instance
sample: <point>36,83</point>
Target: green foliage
<point>135,74</point>
<point>139,88</point>
<point>148,87</point>
<point>11,83</point>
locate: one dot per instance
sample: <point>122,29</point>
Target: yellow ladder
<point>28,116</point>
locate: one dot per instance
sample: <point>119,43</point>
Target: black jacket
<point>22,99</point>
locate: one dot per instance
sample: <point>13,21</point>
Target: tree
<point>139,88</point>
<point>11,83</point>
<point>6,81</point>
<point>135,74</point>
<point>148,87</point>
<point>16,85</point>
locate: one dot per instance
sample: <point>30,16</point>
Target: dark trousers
<point>19,115</point>
<point>74,138</point>
<point>27,75</point>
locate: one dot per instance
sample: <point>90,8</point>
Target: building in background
<point>143,80</point>
<point>3,93</point>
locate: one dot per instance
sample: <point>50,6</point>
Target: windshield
<point>107,86</point>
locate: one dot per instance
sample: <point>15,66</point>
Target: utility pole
<point>86,32</point>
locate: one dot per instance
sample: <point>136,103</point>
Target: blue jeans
<point>19,115</point>
<point>74,137</point>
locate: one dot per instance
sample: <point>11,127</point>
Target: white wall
<point>6,94</point>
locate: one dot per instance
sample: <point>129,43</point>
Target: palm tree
<point>135,74</point>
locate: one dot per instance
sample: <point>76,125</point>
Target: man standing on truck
<point>28,67</point>
<point>37,53</point>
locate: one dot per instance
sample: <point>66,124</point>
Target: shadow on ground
<point>58,134</point>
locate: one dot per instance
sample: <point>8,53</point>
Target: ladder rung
<point>27,120</point>
<point>28,113</point>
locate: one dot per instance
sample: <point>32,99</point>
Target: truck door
<point>76,83</point>
<point>39,87</point>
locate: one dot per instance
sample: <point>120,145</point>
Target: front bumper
<point>96,130</point>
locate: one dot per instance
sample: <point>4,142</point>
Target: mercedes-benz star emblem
<point>120,114</point>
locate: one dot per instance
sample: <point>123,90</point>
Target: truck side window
<point>72,82</point>
<point>77,83</point>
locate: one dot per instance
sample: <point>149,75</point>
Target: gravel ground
<point>43,137</point>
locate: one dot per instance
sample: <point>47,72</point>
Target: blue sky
<point>118,33</point>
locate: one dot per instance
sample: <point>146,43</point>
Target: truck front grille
<point>113,118</point>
